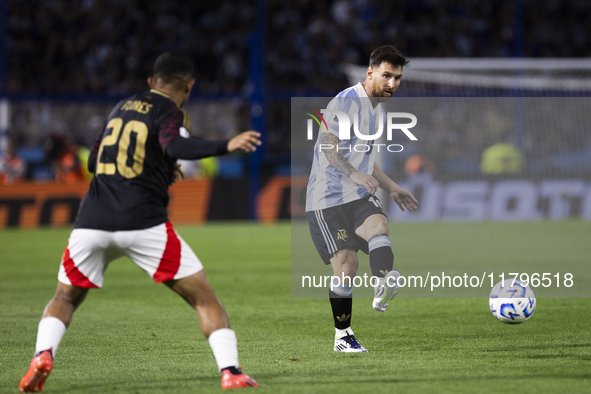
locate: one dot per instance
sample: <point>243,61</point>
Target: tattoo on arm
<point>335,158</point>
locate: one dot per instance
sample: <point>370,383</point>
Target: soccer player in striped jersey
<point>343,211</point>
<point>124,214</point>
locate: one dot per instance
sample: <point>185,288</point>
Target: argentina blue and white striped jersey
<point>327,186</point>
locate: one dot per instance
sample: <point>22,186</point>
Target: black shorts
<point>334,228</point>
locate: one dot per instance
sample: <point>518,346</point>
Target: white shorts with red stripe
<point>158,250</point>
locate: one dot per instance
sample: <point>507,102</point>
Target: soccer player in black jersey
<point>124,214</point>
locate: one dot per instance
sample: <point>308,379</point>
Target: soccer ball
<point>512,304</point>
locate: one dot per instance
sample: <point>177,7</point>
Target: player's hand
<point>247,141</point>
<point>367,181</point>
<point>404,198</point>
<point>177,174</point>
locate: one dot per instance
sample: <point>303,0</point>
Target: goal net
<point>490,77</point>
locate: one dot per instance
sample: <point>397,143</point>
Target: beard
<point>381,94</point>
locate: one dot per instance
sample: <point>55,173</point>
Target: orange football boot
<point>231,381</point>
<point>39,370</point>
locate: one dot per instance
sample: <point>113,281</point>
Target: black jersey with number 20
<point>132,171</point>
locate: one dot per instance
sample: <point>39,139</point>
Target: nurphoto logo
<point>344,126</point>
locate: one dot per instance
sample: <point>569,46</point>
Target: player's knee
<point>382,228</point>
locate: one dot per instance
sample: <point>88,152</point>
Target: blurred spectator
<point>12,167</point>
<point>62,156</point>
<point>83,156</point>
<point>204,168</point>
<point>417,164</point>
<point>501,158</point>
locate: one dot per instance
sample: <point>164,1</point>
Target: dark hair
<point>389,54</point>
<point>173,65</point>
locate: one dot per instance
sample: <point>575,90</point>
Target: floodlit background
<point>65,64</point>
<point>503,87</point>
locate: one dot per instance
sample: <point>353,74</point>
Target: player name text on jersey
<point>136,105</point>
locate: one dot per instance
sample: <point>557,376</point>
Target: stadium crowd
<point>108,46</point>
<point>322,35</point>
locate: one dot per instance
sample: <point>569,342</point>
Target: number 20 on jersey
<point>121,164</point>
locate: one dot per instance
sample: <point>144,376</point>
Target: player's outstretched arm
<point>338,161</point>
<point>247,141</point>
<point>196,148</point>
<point>400,195</point>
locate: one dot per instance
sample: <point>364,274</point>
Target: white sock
<point>343,333</point>
<point>50,333</point>
<point>225,349</point>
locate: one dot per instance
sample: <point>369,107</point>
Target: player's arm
<point>338,161</point>
<point>400,195</point>
<point>192,148</point>
<point>176,142</point>
<point>196,148</point>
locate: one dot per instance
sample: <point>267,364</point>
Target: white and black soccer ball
<point>512,302</point>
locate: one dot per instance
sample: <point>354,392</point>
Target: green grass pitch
<point>133,336</point>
